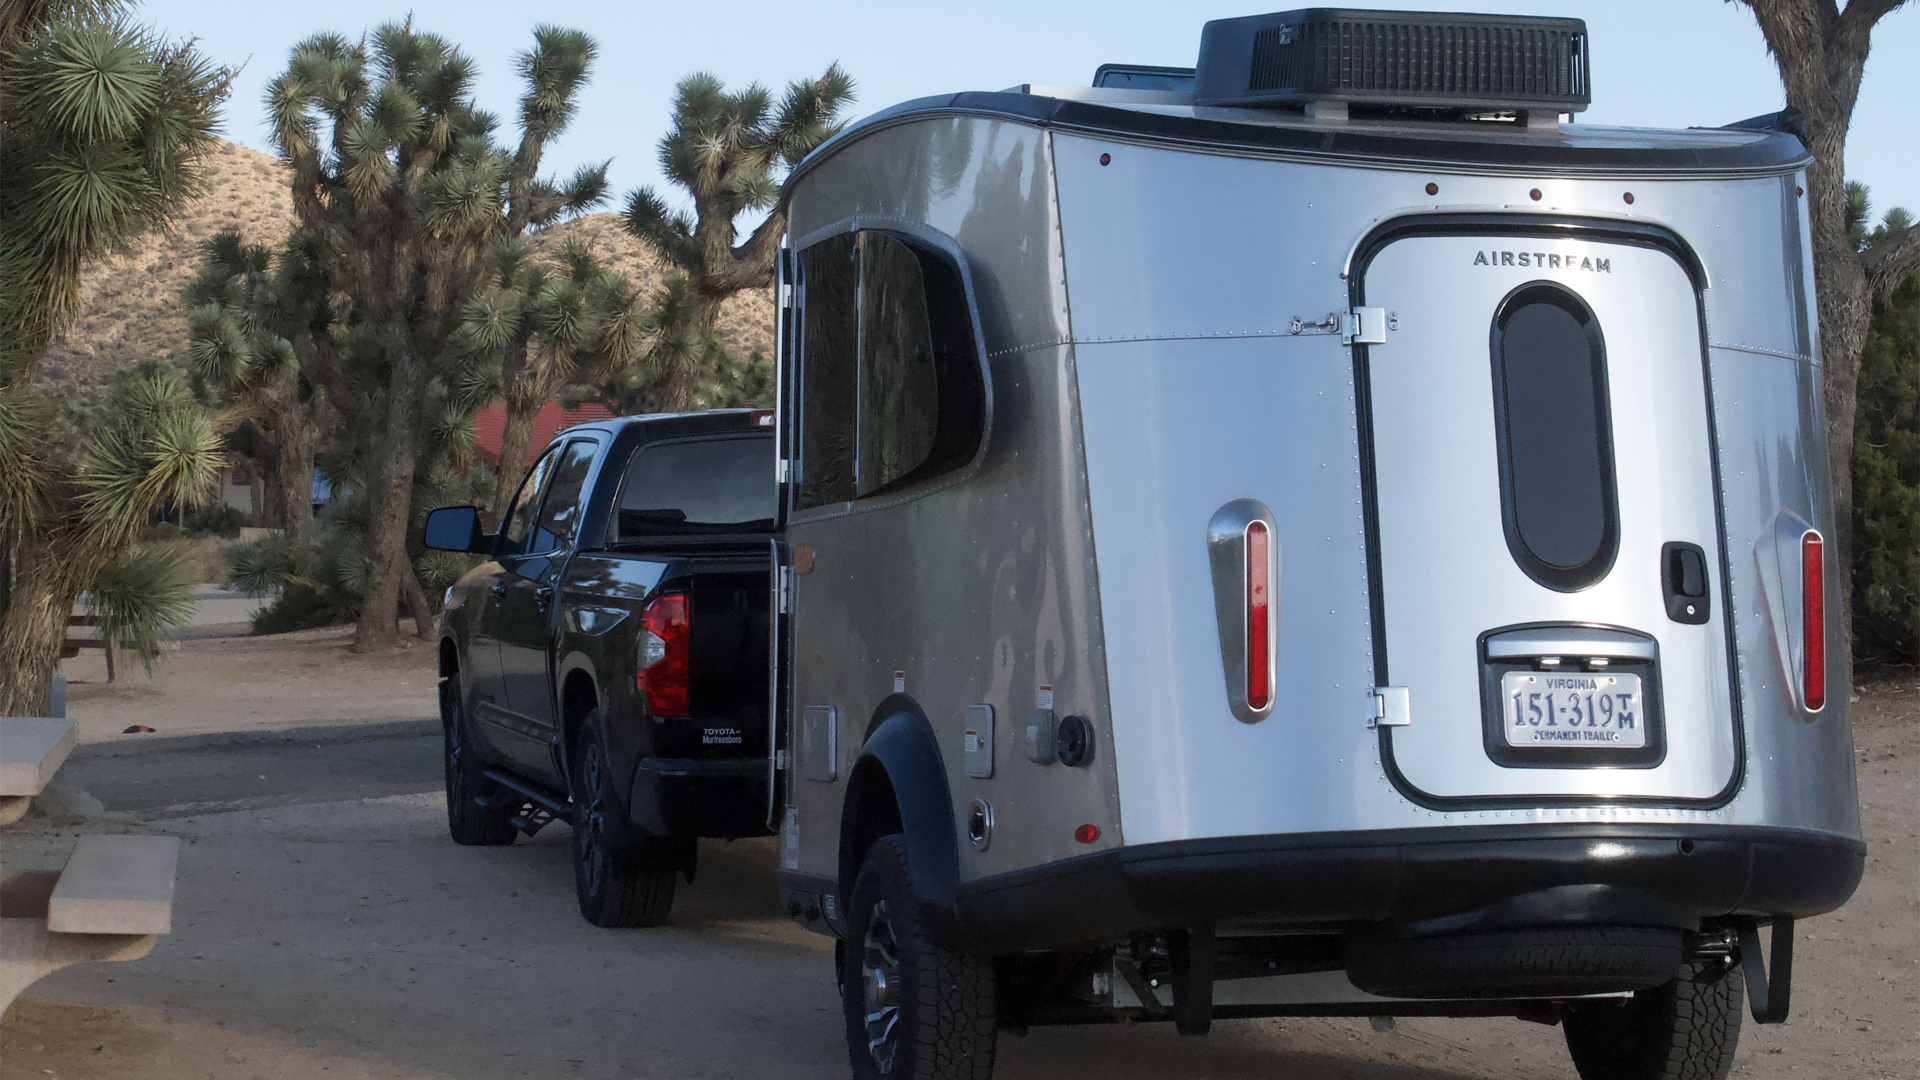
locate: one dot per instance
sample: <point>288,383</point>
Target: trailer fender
<point>899,784</point>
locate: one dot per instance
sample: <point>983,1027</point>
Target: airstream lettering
<point>1200,599</point>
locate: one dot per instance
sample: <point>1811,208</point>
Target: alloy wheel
<point>592,821</point>
<point>880,975</point>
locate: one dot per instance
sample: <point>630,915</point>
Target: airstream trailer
<point>1318,534</point>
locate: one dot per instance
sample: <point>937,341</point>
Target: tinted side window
<point>560,512</point>
<point>519,519</point>
<point>702,486</point>
<point>898,400</point>
<point>830,345</point>
<point>1556,444</point>
<point>892,391</point>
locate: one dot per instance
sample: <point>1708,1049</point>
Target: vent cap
<point>1408,59</point>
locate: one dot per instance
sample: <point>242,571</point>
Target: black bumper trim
<point>713,797</point>
<point>1422,880</point>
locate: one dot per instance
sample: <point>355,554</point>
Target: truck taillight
<point>1813,586</point>
<point>1259,621</point>
<point>664,667</point>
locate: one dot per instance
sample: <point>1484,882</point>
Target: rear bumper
<point>700,797</point>
<point>1418,881</point>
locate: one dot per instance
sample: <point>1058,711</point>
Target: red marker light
<point>664,668</point>
<point>1087,834</point>
<point>1813,584</point>
<point>761,417</point>
<point>1259,618</point>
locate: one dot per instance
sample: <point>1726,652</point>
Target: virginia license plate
<point>1575,709</point>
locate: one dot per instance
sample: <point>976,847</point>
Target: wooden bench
<point>110,903</point>
<point>32,749</point>
<point>71,647</point>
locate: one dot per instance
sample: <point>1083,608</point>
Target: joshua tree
<point>104,129</point>
<point>103,132</point>
<point>398,180</point>
<point>725,149</point>
<point>539,328</point>
<point>245,312</point>
<point>1821,51</point>
<point>151,443</point>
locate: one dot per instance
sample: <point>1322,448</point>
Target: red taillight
<point>664,666</point>
<point>1087,834</point>
<point>761,417</point>
<point>1813,585</point>
<point>1259,620</point>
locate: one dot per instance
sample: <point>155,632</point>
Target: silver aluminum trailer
<point>1285,546</point>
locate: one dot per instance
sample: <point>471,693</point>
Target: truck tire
<point>470,823</point>
<point>1682,1030</point>
<point>915,1010</point>
<point>623,877</point>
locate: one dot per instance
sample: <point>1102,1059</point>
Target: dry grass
<point>132,306</point>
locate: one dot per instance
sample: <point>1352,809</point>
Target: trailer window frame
<point>963,380</point>
<point>1594,498</point>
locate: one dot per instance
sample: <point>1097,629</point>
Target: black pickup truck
<point>607,664</point>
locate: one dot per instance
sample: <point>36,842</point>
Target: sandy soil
<point>350,939</point>
<point>222,682</point>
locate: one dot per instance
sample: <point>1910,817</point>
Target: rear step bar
<point>548,805</point>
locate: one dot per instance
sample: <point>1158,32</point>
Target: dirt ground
<point>324,926</point>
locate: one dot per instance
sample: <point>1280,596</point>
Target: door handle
<point>499,590</point>
<point>1683,580</point>
<point>543,593</point>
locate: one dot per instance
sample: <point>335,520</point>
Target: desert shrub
<point>143,596</point>
<point>157,534</point>
<point>1886,483</point>
<point>218,519</point>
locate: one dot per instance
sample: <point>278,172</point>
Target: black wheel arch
<point>898,784</point>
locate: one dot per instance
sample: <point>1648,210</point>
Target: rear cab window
<point>695,487</point>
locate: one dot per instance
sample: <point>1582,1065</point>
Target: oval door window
<point>1556,446</point>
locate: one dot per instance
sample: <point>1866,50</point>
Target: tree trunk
<point>390,498</point>
<point>47,579</point>
<point>423,616</point>
<point>291,437</point>
<point>523,408</point>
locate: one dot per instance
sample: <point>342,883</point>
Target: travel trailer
<point>1320,533</point>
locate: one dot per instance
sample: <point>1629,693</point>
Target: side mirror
<point>457,528</point>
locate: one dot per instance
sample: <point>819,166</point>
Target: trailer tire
<point>932,1009</point>
<point>1550,961</point>
<point>621,876</point>
<point>471,824</point>
<point>1686,1029</point>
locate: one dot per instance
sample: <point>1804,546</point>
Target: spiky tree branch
<point>727,150</point>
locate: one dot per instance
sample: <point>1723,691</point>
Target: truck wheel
<point>469,822</point>
<point>623,877</point>
<point>1682,1030</point>
<point>915,1010</point>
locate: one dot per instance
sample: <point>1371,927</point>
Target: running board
<point>548,805</point>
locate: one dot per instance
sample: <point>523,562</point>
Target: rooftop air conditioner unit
<point>1396,59</point>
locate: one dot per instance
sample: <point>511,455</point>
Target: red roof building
<point>490,424</point>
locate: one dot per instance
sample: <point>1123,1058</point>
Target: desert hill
<point>131,306</point>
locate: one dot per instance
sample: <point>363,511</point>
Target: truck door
<point>498,727</point>
<point>1549,587</point>
<point>527,605</point>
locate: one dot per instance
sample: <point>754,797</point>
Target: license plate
<point>1576,709</point>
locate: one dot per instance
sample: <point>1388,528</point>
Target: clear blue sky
<point>1675,63</point>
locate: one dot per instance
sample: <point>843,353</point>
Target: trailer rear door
<point>1549,582</point>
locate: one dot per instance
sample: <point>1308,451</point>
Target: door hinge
<point>1389,707</point>
<point>780,470</point>
<point>785,589</point>
<point>1365,326</point>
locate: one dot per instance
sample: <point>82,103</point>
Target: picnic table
<point>110,902</point>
